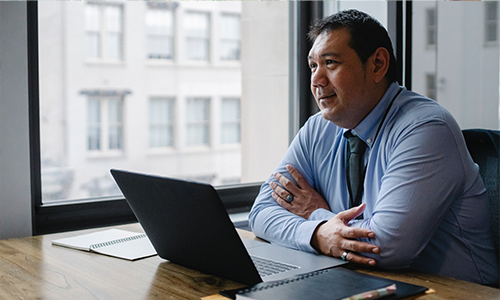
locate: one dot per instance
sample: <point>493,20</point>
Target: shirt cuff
<point>321,214</point>
<point>307,229</point>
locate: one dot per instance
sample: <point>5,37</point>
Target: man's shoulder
<point>414,109</point>
<point>318,130</point>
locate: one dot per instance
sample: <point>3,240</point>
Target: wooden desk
<point>31,268</point>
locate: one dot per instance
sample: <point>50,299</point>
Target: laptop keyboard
<point>267,267</point>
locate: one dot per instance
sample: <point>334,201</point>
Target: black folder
<point>335,283</point>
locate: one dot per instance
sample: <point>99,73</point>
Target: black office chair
<point>484,147</point>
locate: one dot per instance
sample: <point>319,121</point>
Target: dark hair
<point>367,35</point>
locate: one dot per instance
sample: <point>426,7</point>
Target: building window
<point>104,36</point>
<point>230,121</point>
<point>161,122</point>
<point>197,30</point>
<point>430,80</point>
<point>160,33</point>
<point>197,121</point>
<point>230,37</point>
<point>490,21</point>
<point>104,123</point>
<point>431,27</point>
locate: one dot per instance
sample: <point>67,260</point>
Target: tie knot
<point>356,145</point>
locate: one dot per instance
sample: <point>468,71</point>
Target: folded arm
<point>422,176</point>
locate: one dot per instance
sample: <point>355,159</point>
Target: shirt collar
<point>367,128</point>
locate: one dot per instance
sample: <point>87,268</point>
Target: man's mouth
<point>321,98</point>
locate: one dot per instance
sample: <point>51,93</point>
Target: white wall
<point>265,100</point>
<point>15,194</point>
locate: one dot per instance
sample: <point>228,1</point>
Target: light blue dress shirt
<point>425,199</point>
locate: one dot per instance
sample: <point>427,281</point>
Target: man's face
<point>341,84</point>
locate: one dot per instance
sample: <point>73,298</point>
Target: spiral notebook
<point>329,284</point>
<point>112,242</point>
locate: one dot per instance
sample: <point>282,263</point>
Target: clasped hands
<point>334,237</point>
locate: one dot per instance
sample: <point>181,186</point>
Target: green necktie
<point>355,168</point>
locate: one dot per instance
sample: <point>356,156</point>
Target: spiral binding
<point>114,242</point>
<point>282,282</point>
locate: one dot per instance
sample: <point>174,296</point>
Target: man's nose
<point>319,78</point>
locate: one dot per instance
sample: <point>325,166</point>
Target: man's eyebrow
<point>326,54</point>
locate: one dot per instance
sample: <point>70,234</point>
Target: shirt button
<point>369,140</point>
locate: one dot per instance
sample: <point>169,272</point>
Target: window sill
<point>156,62</point>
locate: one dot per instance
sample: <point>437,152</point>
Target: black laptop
<point>188,225</point>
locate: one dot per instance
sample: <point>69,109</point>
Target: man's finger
<point>282,202</point>
<point>361,247</point>
<point>279,191</point>
<point>356,258</point>
<point>352,213</point>
<point>287,183</point>
<point>299,178</point>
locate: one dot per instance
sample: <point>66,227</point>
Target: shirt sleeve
<point>424,174</point>
<point>275,224</point>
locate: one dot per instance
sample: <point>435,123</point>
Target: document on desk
<point>329,284</point>
<point>113,242</point>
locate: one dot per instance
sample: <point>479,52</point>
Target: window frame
<point>104,33</point>
<point>207,40</point>
<point>168,124</point>
<point>105,123</point>
<point>236,123</point>
<point>193,123</point>
<point>107,211</point>
<point>488,23</point>
<point>170,9</point>
<point>223,40</point>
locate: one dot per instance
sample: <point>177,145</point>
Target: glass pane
<point>113,18</point>
<point>161,123</point>
<point>230,117</point>
<point>230,50</point>
<point>462,71</point>
<point>159,22</point>
<point>94,124</point>
<point>230,110</point>
<point>114,45</point>
<point>92,45</point>
<point>85,132</point>
<point>197,49</point>
<point>197,24</point>
<point>230,27</point>
<point>197,117</point>
<point>92,18</point>
<point>159,27</point>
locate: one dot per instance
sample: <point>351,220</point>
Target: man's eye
<point>312,66</point>
<point>330,61</point>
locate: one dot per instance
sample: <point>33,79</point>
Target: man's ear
<point>380,60</point>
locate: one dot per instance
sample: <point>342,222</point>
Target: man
<point>424,205</point>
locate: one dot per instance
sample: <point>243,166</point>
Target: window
<point>76,150</point>
<point>430,86</point>
<point>103,24</point>
<point>430,23</point>
<point>197,121</point>
<point>230,37</point>
<point>160,31</point>
<point>161,122</point>
<point>105,123</point>
<point>230,121</point>
<point>197,31</point>
<point>459,72</point>
<point>490,21</point>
